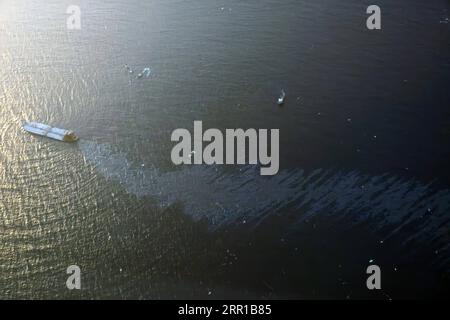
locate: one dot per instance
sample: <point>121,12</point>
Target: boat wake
<point>406,207</point>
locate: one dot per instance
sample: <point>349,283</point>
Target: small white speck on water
<point>381,241</point>
<point>244,221</point>
<point>374,136</point>
<point>190,154</point>
<point>349,119</point>
<point>120,269</point>
<point>371,260</point>
<point>209,293</point>
<point>112,195</point>
<point>143,165</point>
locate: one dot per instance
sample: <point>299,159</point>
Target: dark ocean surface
<point>364,149</point>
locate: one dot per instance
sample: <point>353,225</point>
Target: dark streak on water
<point>364,150</point>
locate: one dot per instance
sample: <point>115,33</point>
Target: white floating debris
<point>371,260</point>
<point>146,72</point>
<point>130,71</point>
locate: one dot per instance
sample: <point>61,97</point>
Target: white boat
<point>281,98</point>
<point>45,130</point>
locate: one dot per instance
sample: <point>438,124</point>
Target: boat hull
<point>44,130</point>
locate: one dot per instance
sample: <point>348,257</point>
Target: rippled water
<point>364,149</point>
